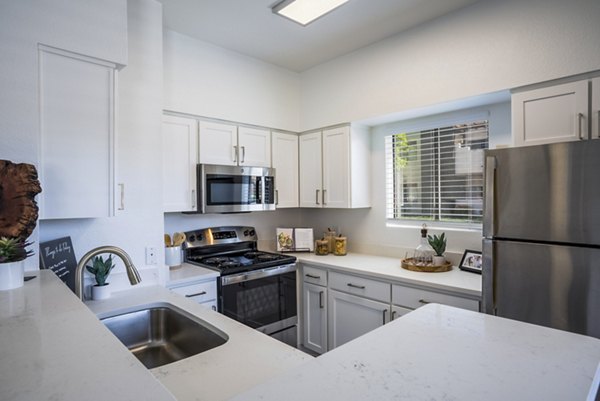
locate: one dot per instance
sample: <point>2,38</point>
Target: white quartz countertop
<point>442,353</point>
<point>386,268</point>
<point>188,273</point>
<point>246,359</point>
<point>53,348</point>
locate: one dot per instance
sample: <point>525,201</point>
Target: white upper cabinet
<point>595,132</point>
<point>285,163</point>
<point>311,171</point>
<point>254,147</point>
<point>77,135</point>
<point>334,168</point>
<point>230,145</point>
<point>180,156</point>
<point>558,113</point>
<point>218,143</point>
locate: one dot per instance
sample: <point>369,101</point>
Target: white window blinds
<point>437,174</point>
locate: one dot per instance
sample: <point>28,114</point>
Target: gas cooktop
<point>230,250</point>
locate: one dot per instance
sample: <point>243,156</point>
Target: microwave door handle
<point>259,190</point>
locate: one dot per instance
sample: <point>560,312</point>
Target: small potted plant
<point>101,269</point>
<point>13,253</point>
<point>439,247</point>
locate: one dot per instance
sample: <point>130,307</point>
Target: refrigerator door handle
<point>488,299</point>
<point>489,215</point>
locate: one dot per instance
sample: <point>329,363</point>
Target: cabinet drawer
<point>200,292</point>
<point>361,286</point>
<point>314,275</point>
<point>415,297</point>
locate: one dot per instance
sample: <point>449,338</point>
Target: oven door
<point>262,299</point>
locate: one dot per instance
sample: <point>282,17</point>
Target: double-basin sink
<point>160,334</point>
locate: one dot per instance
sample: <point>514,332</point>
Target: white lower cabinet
<point>351,316</point>
<point>314,328</point>
<point>203,292</point>
<point>338,307</point>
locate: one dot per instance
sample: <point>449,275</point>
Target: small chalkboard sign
<point>58,255</point>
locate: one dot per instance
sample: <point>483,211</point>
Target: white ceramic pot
<point>173,256</point>
<point>100,292</point>
<point>439,260</point>
<point>11,275</point>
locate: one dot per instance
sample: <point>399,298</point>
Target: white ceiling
<point>249,27</point>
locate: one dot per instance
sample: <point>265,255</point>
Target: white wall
<point>367,230</point>
<point>97,29</point>
<point>209,81</point>
<point>486,47</point>
<point>138,155</point>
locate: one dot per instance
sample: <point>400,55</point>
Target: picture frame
<point>471,261</point>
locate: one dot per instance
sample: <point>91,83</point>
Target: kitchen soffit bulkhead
<point>304,12</point>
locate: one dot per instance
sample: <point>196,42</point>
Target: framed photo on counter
<point>471,261</point>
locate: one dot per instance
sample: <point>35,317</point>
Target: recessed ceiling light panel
<point>306,11</point>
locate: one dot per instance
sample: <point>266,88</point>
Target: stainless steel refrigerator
<point>541,246</point>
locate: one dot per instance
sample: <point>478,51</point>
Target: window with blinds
<point>437,174</point>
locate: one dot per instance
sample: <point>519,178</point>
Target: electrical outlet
<point>151,255</point>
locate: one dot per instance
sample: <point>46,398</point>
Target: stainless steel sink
<point>159,335</point>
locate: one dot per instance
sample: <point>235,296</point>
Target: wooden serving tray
<point>408,265</point>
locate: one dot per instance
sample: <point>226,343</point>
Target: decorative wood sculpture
<point>18,209</point>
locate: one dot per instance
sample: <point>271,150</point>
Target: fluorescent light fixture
<point>305,11</point>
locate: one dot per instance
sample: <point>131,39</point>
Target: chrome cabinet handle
<point>243,154</point>
<point>489,197</point>
<point>311,276</point>
<point>276,197</point>
<point>122,196</point>
<point>579,118</point>
<point>321,305</point>
<point>195,294</point>
<point>193,198</point>
<point>235,154</point>
<point>360,287</point>
<point>422,301</point>
<point>317,199</point>
<point>324,192</point>
<point>394,313</point>
<point>384,313</point>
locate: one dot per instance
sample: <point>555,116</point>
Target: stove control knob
<point>246,233</point>
<point>252,233</point>
<point>200,237</point>
<point>192,238</point>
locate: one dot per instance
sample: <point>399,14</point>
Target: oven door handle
<point>257,274</point>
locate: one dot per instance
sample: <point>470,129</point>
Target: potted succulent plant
<point>439,247</point>
<point>101,269</point>
<point>13,253</point>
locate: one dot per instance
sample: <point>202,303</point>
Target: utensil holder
<point>173,256</point>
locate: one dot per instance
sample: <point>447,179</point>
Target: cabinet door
<point>310,170</point>
<point>285,162</point>
<point>314,321</point>
<point>218,143</point>
<point>336,167</point>
<point>180,156</point>
<point>254,147</point>
<point>595,134</point>
<point>351,316</point>
<point>548,115</point>
<point>77,135</point>
<point>398,311</point>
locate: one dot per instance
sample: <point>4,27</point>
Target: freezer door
<point>550,285</point>
<point>547,193</point>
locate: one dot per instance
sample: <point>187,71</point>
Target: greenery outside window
<point>436,175</point>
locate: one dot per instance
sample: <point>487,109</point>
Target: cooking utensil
<point>178,239</point>
<point>168,242</point>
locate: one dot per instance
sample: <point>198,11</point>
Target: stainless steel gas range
<point>255,288</point>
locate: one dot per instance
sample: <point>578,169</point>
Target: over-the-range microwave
<point>234,189</point>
